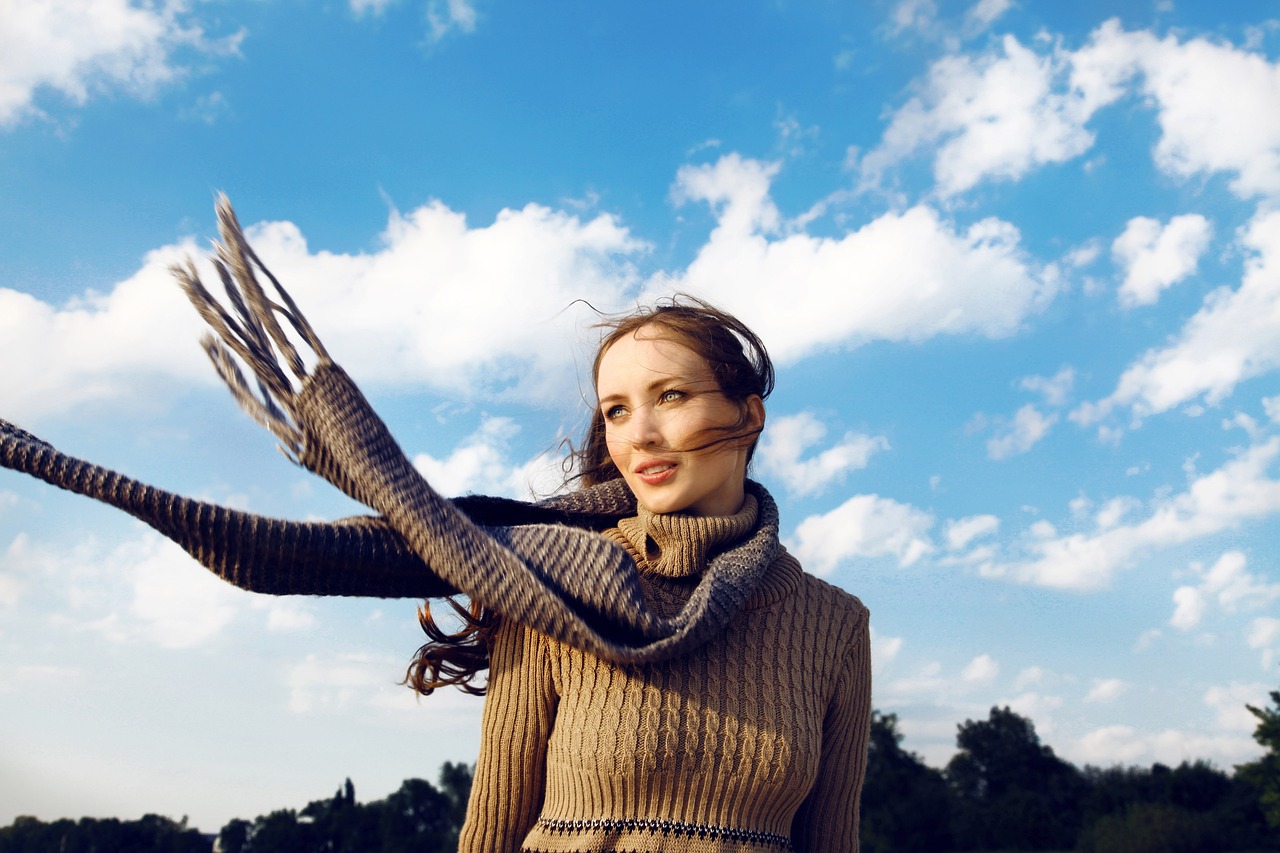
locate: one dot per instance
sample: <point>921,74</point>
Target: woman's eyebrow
<point>666,380</point>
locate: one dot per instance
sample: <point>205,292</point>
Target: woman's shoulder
<point>834,600</point>
<point>787,583</point>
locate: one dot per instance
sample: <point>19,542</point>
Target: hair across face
<point>665,424</point>
<point>731,364</point>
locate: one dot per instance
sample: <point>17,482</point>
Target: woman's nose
<point>645,428</point>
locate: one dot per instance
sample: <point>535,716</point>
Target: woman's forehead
<point>648,355</point>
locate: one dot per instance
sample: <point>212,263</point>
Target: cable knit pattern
<point>755,741</point>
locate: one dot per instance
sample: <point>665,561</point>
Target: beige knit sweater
<point>755,741</point>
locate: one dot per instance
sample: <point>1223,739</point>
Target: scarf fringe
<point>252,332</point>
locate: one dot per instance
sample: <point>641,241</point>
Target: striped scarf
<point>544,564</point>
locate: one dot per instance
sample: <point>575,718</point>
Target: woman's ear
<point>755,413</point>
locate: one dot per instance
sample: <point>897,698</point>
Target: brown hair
<point>737,357</point>
<point>742,369</point>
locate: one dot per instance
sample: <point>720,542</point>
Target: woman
<point>755,740</point>
<point>662,675</point>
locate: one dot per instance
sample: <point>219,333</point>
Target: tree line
<point>1002,790</point>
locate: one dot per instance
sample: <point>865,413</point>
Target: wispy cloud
<point>79,48</point>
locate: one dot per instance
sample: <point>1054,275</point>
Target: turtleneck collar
<point>679,546</point>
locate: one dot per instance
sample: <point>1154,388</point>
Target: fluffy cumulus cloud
<point>472,310</point>
<point>1241,490</point>
<point>865,526</point>
<point>1234,336</point>
<point>1227,584</point>
<point>1263,635</point>
<point>99,347</point>
<point>144,590</point>
<point>787,440</point>
<point>1004,112</point>
<point>995,115</point>
<point>905,276</point>
<point>77,48</point>
<point>981,670</point>
<point>1155,257</point>
<point>481,465</point>
<point>487,310</point>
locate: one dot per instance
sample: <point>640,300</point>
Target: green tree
<point>1153,828</point>
<point>1264,774</point>
<point>417,817</point>
<point>1009,789</point>
<point>904,801</point>
<point>455,782</point>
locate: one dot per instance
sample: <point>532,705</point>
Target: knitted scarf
<point>544,564</point>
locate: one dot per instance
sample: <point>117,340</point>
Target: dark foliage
<point>151,833</point>
<point>1010,790</point>
<point>904,801</point>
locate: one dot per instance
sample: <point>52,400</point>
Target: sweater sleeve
<point>519,710</point>
<point>828,818</point>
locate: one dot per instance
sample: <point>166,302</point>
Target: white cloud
<point>335,684</point>
<point>449,16</point>
<point>176,604</point>
<point>984,13</point>
<point>960,532</point>
<point>1038,707</point>
<point>475,311</point>
<point>786,439</point>
<point>903,277</point>
<point>285,614</point>
<point>1155,258</point>
<point>993,115</point>
<point>1228,703</point>
<point>1055,389</point>
<point>1115,510</point>
<point>1188,608</point>
<point>1236,589</point>
<point>371,7</point>
<point>480,311</point>
<point>1005,112</point>
<point>144,590</point>
<point>1029,676</point>
<point>883,650</point>
<point>1106,690</point>
<point>1271,405</point>
<point>981,670</point>
<point>478,465</point>
<point>1233,337</point>
<point>1204,132</point>
<point>863,526</point>
<point>78,48</point>
<point>1264,634</point>
<point>1021,434</point>
<point>98,347</point>
<point>1239,491</point>
<point>912,15</point>
<point>1121,744</point>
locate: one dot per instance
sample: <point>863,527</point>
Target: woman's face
<point>662,407</point>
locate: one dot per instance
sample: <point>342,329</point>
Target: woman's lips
<point>653,473</point>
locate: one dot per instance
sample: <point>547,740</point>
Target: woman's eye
<point>670,396</point>
<point>614,412</point>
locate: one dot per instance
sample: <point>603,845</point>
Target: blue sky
<point>1019,264</point>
